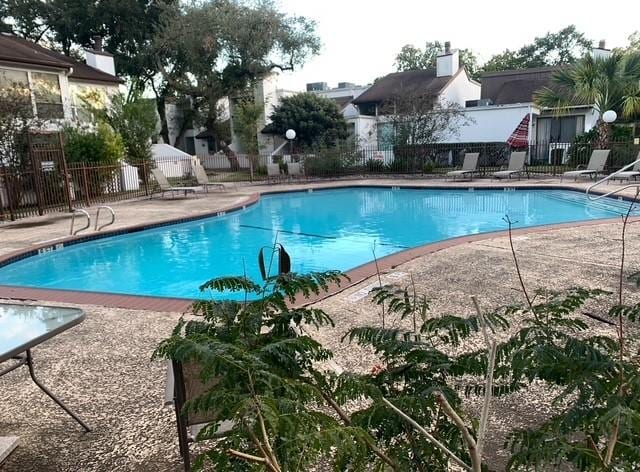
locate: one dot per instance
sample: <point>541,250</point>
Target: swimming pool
<point>328,229</point>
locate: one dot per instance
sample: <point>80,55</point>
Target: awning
<point>520,137</point>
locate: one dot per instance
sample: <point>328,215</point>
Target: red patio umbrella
<point>520,137</point>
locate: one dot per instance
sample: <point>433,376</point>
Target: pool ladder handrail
<point>609,177</point>
<point>76,212</point>
<point>113,217</point>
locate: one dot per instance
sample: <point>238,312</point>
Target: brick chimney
<point>98,58</point>
<point>447,62</point>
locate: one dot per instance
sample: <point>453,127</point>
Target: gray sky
<point>360,38</point>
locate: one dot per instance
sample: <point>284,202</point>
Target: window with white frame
<point>48,97</point>
<point>14,87</point>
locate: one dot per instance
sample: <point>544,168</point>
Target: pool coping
<point>355,275</point>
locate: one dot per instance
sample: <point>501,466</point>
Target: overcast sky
<point>360,38</point>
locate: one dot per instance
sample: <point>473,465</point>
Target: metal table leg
<point>29,362</point>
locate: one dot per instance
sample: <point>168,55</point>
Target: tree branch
<point>247,457</point>
<point>427,435</point>
<point>488,387</point>
<point>476,461</point>
<point>347,420</point>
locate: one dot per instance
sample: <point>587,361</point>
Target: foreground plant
<point>258,360</point>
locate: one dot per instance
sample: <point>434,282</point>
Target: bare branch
<point>476,461</point>
<point>488,387</point>
<point>427,435</point>
<point>347,420</point>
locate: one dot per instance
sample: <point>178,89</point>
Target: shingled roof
<point>413,82</point>
<point>14,50</point>
<point>515,86</point>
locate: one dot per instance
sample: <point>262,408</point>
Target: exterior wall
<point>459,90</point>
<point>99,96</point>
<point>591,119</point>
<point>269,96</point>
<point>365,130</point>
<point>493,123</point>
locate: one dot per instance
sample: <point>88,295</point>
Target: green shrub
<point>102,146</point>
<point>327,165</point>
<point>374,165</point>
<point>428,167</point>
<point>101,150</point>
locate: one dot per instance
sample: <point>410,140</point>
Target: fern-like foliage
<point>258,362</point>
<point>600,389</point>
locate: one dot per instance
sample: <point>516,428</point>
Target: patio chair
<point>202,179</point>
<point>273,172</point>
<point>516,166</point>
<point>165,186</point>
<point>469,166</point>
<point>294,170</point>
<point>182,385</point>
<point>596,164</point>
<point>634,173</point>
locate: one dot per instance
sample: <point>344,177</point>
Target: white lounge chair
<point>516,166</point>
<point>165,186</point>
<point>634,173</point>
<point>273,172</point>
<point>469,166</point>
<point>596,164</point>
<point>202,179</point>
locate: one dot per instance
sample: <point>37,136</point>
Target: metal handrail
<point>113,217</point>
<point>73,220</point>
<point>609,177</point>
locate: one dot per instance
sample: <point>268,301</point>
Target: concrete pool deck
<point>102,367</point>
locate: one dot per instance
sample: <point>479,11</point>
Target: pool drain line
<point>312,235</point>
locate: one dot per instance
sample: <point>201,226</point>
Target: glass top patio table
<point>25,326</point>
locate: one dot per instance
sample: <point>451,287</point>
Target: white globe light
<point>290,134</point>
<point>609,116</point>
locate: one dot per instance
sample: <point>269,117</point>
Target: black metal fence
<point>47,183</point>
<point>435,159</point>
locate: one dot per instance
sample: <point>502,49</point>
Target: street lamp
<point>290,135</point>
<point>608,116</point>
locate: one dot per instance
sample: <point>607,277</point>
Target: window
<point>559,130</point>
<point>46,89</point>
<point>14,88</point>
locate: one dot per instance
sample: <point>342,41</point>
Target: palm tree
<point>611,83</point>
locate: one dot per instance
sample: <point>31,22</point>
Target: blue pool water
<point>329,229</point>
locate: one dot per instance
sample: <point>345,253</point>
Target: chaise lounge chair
<point>516,166</point>
<point>202,179</point>
<point>634,173</point>
<point>165,186</point>
<point>469,166</point>
<point>596,164</point>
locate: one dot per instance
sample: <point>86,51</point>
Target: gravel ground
<point>102,367</point>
